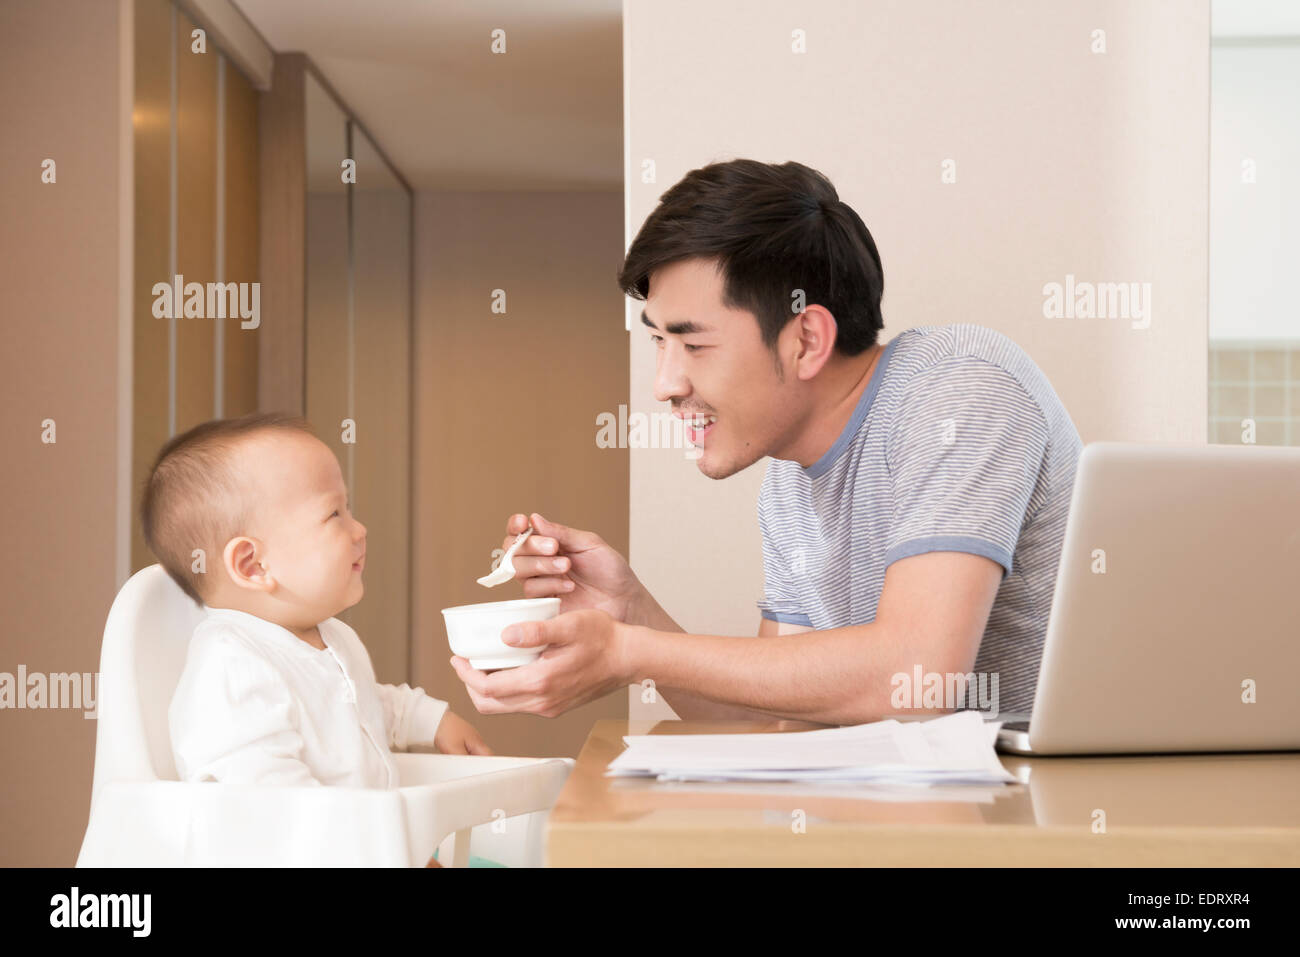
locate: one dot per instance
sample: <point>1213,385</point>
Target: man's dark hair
<point>195,497</point>
<point>772,229</point>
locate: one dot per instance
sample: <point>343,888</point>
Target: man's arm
<point>692,707</point>
<point>932,612</point>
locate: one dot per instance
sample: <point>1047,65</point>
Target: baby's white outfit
<point>258,705</point>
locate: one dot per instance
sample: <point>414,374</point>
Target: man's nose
<point>670,381</point>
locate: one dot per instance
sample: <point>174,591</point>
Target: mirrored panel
<point>326,333</point>
<point>380,468</point>
<point>358,357</point>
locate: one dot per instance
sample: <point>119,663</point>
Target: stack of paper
<point>952,749</point>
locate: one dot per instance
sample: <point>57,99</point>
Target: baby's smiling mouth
<point>359,563</point>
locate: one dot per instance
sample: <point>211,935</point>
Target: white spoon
<point>506,570</point>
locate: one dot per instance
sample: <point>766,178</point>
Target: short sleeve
<point>964,455</point>
<point>233,719</point>
<point>781,600</point>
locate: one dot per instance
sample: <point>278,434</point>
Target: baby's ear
<point>246,569</point>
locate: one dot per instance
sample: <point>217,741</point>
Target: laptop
<point>1175,624</point>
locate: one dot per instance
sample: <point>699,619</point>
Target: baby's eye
<point>335,515</point>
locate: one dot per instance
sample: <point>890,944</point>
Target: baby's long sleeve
<point>410,715</point>
<point>232,719</point>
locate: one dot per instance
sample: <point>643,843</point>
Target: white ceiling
<point>420,75</point>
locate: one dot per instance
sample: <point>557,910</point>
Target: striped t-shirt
<point>958,443</point>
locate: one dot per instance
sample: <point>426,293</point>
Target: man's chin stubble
<point>725,471</point>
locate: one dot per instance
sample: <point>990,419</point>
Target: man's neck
<point>842,394</point>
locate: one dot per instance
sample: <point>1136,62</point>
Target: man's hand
<point>579,567</point>
<point>455,735</point>
<point>586,658</point>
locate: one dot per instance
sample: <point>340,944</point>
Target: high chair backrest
<point>145,640</point>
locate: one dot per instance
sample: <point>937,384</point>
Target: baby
<point>276,690</point>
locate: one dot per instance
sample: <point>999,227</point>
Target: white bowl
<point>474,631</point>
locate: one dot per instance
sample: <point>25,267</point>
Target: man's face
<point>716,371</point>
<point>314,548</point>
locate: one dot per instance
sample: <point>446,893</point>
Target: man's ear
<point>814,335</point>
<point>244,564</point>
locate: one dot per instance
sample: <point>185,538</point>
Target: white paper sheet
<point>953,749</point>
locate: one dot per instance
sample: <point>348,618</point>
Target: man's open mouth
<point>698,425</point>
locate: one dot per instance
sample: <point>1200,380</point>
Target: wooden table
<point>1171,810</point>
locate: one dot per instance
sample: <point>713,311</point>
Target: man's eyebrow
<point>684,328</point>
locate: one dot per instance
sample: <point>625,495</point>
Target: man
<point>913,513</point>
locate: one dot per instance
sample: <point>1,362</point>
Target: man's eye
<point>659,341</point>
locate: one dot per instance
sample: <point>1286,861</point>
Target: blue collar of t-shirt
<point>859,416</point>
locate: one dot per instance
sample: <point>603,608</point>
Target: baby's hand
<point>455,735</point>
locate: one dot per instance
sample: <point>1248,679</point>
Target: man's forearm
<point>648,613</point>
<point>837,676</point>
<point>693,707</point>
<point>689,705</point>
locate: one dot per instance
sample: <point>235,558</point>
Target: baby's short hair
<point>194,498</point>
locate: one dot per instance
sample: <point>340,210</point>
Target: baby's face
<point>313,548</point>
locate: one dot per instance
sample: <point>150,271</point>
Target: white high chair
<point>142,816</point>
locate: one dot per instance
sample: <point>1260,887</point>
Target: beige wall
<point>1067,161</point>
<point>506,409</point>
<point>65,261</point>
<point>79,259</point>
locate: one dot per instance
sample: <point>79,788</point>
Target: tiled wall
<point>1261,381</point>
